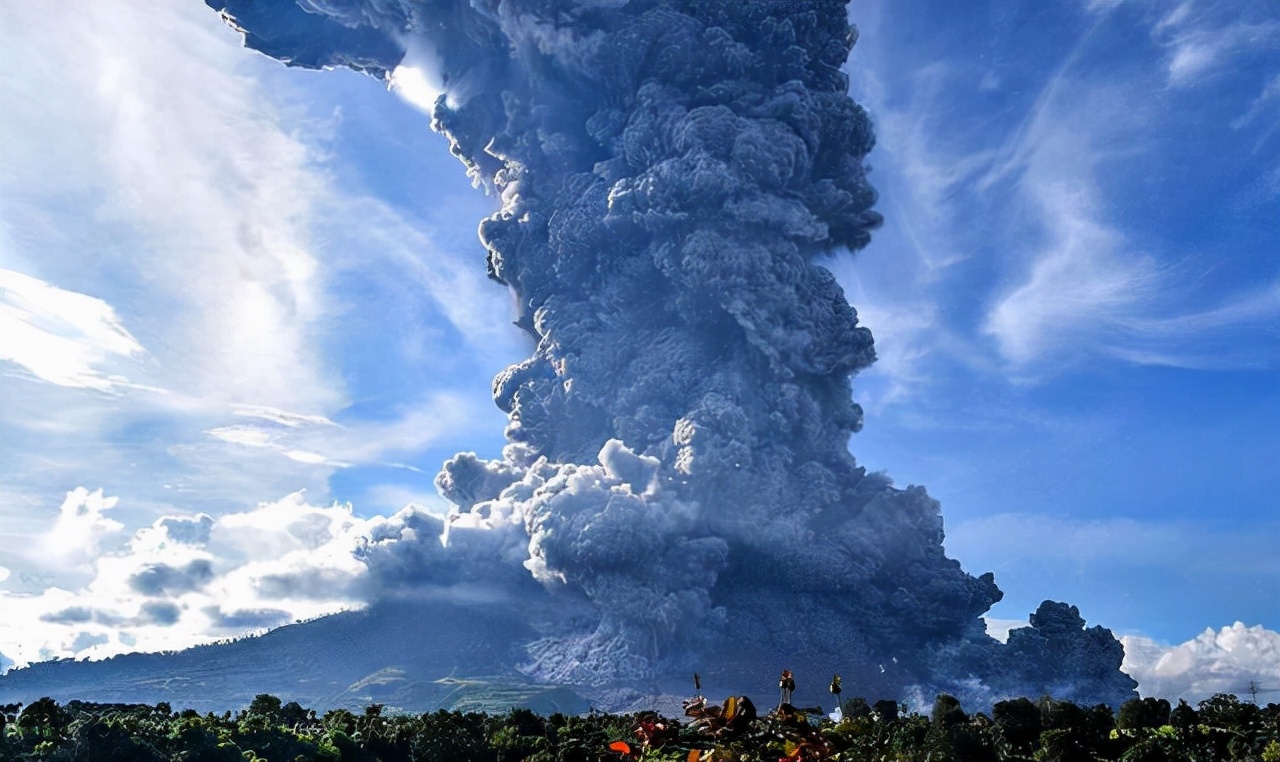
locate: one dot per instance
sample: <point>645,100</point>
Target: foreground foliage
<point>1146,730</point>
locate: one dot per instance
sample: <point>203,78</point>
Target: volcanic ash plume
<point>678,464</point>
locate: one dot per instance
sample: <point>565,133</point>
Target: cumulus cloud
<point>185,580</point>
<point>187,530</point>
<point>81,531</point>
<point>241,620</point>
<point>190,579</point>
<point>1228,660</point>
<point>79,615</point>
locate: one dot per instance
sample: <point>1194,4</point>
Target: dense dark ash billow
<point>678,474</point>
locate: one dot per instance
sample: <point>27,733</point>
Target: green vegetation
<point>1144,730</point>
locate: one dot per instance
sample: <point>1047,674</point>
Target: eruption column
<point>677,466</point>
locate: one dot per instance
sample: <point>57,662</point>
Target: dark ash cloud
<point>678,475</point>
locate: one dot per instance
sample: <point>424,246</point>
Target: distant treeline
<point>1144,730</point>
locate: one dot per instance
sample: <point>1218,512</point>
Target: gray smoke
<point>678,477</point>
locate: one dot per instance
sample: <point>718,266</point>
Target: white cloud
<point>185,180</point>
<point>1057,279</point>
<point>272,531</point>
<point>1201,339</point>
<point>1082,287</point>
<point>166,189</point>
<point>1221,661</point>
<point>1203,37</point>
<point>390,495</point>
<point>319,441</point>
<point>151,181</point>
<point>282,417</point>
<point>60,336</point>
<point>188,580</point>
<point>1268,99</point>
<point>454,281</point>
<point>1072,279</point>
<point>899,283</point>
<point>416,79</point>
<point>1190,59</point>
<point>191,579</point>
<point>1076,285</point>
<point>1176,17</point>
<point>999,628</point>
<point>1028,220</point>
<point>1102,6</point>
<point>80,532</point>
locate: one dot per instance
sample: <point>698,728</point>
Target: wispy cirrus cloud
<point>1202,37</point>
<point>1082,287</point>
<point>1011,240</point>
<point>154,197</point>
<point>59,336</point>
<point>173,232</point>
<point>188,188</point>
<point>1075,284</point>
<point>317,440</point>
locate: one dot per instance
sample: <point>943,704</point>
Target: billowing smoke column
<point>678,475</point>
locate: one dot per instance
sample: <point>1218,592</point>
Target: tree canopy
<point>1017,730</point>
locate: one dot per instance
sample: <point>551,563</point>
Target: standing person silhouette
<point>786,684</point>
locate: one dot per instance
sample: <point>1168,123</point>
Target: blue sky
<point>1076,297</point>
<point>223,281</point>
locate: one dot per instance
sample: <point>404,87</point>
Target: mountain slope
<point>414,656</point>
